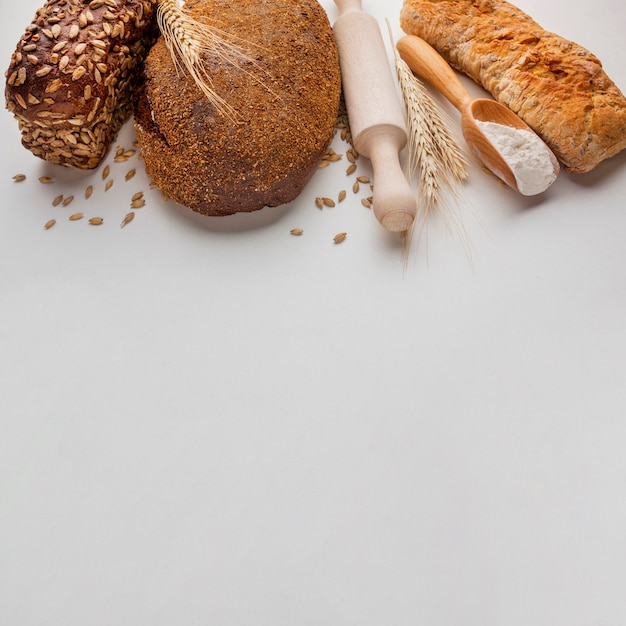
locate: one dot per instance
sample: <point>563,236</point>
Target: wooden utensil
<point>426,62</point>
<point>375,112</point>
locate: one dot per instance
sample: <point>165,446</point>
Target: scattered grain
<point>342,195</point>
<point>339,237</point>
<point>350,169</point>
<point>130,174</point>
<point>89,192</point>
<point>137,204</point>
<point>49,224</point>
<point>105,172</point>
<point>45,180</point>
<point>352,155</point>
<point>330,155</point>
<point>363,179</point>
<point>319,203</point>
<point>329,202</point>
<point>76,216</point>
<point>296,231</point>
<point>108,185</point>
<point>18,178</point>
<point>96,221</point>
<point>68,200</point>
<point>57,200</point>
<point>128,218</point>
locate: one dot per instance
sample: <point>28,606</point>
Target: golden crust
<point>556,86</point>
<point>286,103</point>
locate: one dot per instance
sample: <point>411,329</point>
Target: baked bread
<point>284,97</point>
<point>556,86</point>
<point>74,74</point>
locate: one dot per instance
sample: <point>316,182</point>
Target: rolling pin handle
<point>395,205</point>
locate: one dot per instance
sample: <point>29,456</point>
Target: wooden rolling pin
<point>375,112</point>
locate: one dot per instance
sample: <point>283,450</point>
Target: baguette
<point>73,76</point>
<point>556,86</point>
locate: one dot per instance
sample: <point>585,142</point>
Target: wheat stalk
<point>435,158</point>
<point>190,42</point>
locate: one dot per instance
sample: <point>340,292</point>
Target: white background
<point>210,421</point>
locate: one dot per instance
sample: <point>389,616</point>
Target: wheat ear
<point>435,158</point>
<point>190,41</point>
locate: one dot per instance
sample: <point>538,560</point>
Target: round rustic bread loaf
<point>284,94</point>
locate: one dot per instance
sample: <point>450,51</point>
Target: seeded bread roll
<point>556,86</point>
<point>74,74</point>
<point>285,97</point>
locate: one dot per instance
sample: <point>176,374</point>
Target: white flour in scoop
<point>526,154</point>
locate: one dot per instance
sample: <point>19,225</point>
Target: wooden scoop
<point>425,61</point>
<point>375,112</point>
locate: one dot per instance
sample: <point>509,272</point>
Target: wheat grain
<point>128,218</point>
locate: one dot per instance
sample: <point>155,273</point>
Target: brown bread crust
<point>556,86</point>
<point>286,100</point>
<point>74,74</point>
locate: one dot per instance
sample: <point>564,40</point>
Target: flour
<point>529,158</point>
